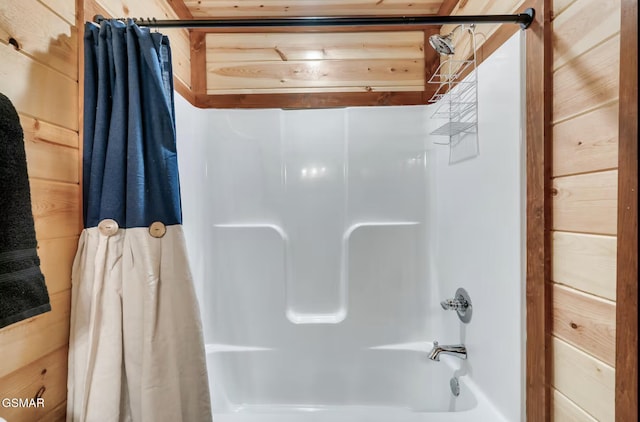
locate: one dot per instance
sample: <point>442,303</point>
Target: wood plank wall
<point>39,72</point>
<point>584,226</point>
<point>40,76</point>
<point>586,51</point>
<point>254,63</point>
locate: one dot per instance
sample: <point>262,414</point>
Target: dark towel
<point>23,293</point>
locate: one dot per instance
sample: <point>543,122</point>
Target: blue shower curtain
<point>136,351</point>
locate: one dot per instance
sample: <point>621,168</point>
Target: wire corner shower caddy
<point>456,97</point>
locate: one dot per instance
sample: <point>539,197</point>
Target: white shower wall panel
<point>479,234</point>
<point>322,242</point>
<point>313,226</point>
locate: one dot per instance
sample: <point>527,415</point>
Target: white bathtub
<point>397,383</point>
<point>322,242</point>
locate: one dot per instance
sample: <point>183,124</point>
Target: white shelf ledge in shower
<point>456,98</point>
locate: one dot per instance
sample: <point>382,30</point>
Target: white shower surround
<point>322,242</point>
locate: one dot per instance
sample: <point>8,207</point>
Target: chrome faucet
<point>457,350</point>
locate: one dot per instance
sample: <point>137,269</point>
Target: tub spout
<point>457,350</point>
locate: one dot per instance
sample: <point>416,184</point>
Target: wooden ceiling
<point>323,67</point>
<point>295,8</point>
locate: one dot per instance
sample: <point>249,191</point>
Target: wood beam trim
<point>198,64</point>
<point>447,7</point>
<point>181,9</point>
<point>312,100</point>
<point>538,168</point>
<point>626,395</point>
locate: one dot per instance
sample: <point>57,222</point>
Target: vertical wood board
<point>538,144</point>
<point>627,306</point>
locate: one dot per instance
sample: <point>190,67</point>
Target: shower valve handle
<point>461,303</point>
<point>457,304</point>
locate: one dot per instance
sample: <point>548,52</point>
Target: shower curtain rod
<point>524,19</point>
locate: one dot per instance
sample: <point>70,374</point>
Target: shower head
<point>443,44</point>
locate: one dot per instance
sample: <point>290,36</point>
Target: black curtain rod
<point>524,19</point>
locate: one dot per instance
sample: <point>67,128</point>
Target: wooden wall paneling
<point>582,26</point>
<point>38,90</point>
<point>56,208</point>
<point>586,203</point>
<point>37,130</point>
<point>538,84</point>
<point>59,413</point>
<point>65,8</point>
<point>42,379</point>
<point>52,151</point>
<point>564,410</point>
<point>27,341</point>
<point>586,143</point>
<point>52,162</point>
<point>588,81</point>
<point>302,74</point>
<point>252,47</point>
<point>278,62</point>
<point>585,262</point>
<point>627,305</point>
<point>307,96</point>
<point>41,34</point>
<point>583,379</point>
<point>560,5</point>
<point>585,321</point>
<point>336,91</point>
<point>283,8</point>
<point>56,260</point>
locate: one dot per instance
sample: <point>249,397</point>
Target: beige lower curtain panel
<point>136,350</point>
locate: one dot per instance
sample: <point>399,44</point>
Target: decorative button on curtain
<point>136,351</point>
